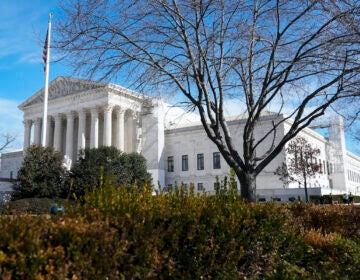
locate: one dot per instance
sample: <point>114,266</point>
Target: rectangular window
<point>327,167</point>
<point>216,160</point>
<point>184,163</point>
<point>200,161</point>
<point>216,186</point>
<point>200,186</point>
<point>171,164</point>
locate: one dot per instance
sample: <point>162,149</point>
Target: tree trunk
<point>305,187</point>
<point>247,186</point>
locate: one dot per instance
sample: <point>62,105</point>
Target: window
<point>216,186</point>
<point>200,161</point>
<point>216,160</point>
<point>170,164</point>
<point>327,167</point>
<point>200,186</point>
<point>184,163</point>
<point>324,166</point>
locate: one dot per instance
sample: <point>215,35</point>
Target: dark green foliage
<point>107,162</point>
<point>42,174</point>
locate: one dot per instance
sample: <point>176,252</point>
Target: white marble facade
<point>84,114</point>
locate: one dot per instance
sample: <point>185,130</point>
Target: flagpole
<point>46,89</point>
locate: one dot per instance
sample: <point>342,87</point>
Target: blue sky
<point>23,25</point>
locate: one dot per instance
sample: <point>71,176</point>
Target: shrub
<point>107,162</point>
<point>341,219</point>
<point>121,233</point>
<point>42,174</point>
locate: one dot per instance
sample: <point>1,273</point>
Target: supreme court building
<point>87,114</point>
<point>83,113</point>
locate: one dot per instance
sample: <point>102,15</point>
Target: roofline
<point>352,155</point>
<point>309,131</point>
<point>234,120</point>
<point>102,85</point>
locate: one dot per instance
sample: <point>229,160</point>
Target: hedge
<point>122,234</point>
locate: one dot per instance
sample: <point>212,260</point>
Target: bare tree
<point>6,140</point>
<point>302,163</point>
<point>283,172</point>
<point>293,57</point>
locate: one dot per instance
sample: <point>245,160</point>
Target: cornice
<point>119,90</point>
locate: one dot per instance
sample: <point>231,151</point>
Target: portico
<point>85,114</point>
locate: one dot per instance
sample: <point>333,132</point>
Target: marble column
<point>81,130</point>
<point>27,133</point>
<point>48,132</point>
<point>107,126</point>
<point>120,140</point>
<point>57,132</point>
<point>134,122</point>
<point>37,131</point>
<point>94,133</point>
<point>138,133</point>
<point>69,135</point>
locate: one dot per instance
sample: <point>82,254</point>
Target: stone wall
<point>10,164</point>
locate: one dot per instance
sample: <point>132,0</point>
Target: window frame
<point>170,164</point>
<point>216,160</point>
<point>184,163</point>
<point>200,161</point>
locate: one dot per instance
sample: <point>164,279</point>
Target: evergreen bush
<point>41,174</point>
<point>95,164</point>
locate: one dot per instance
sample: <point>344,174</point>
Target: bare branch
<point>6,141</point>
<point>297,58</point>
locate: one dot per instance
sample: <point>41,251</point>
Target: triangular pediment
<point>62,87</point>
